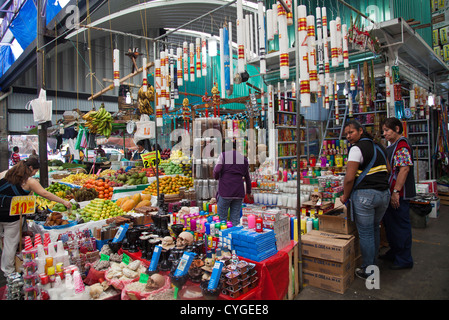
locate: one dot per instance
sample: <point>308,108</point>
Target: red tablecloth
<point>273,276</point>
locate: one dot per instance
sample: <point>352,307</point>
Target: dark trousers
<point>399,233</point>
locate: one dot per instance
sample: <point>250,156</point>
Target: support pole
<point>42,128</point>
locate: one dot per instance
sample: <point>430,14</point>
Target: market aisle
<point>426,281</point>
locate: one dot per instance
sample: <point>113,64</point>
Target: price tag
<point>26,204</point>
<point>104,257</point>
<point>150,159</point>
<point>144,278</point>
<point>125,259</point>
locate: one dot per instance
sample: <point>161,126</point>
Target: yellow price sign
<point>150,159</point>
<point>26,204</point>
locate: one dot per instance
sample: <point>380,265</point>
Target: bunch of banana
<point>99,122</point>
<point>144,99</point>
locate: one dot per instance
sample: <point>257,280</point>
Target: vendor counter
<point>274,274</point>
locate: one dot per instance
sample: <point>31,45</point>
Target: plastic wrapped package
<point>129,294</point>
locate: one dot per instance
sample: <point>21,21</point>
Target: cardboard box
<point>327,246</point>
<point>328,267</point>
<point>433,186</point>
<point>435,209</point>
<point>336,220</point>
<point>422,188</point>
<point>328,282</point>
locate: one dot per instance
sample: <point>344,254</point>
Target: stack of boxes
<point>331,254</point>
<point>252,245</point>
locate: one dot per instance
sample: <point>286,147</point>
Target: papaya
<point>145,196</point>
<point>128,205</point>
<point>143,203</point>
<point>120,201</point>
<point>137,198</point>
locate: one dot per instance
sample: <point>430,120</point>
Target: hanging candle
<point>412,99</point>
<point>334,48</point>
<point>293,90</point>
<point>398,102</point>
<point>275,19</point>
<point>198,57</point>
<point>311,43</point>
<point>339,39</point>
<point>185,60</point>
<point>203,57</point>
<point>240,38</point>
<point>247,34</point>
<point>352,79</point>
<point>262,104</point>
<point>261,23</point>
<point>231,67</point>
<point>216,100</point>
<point>279,97</point>
<point>225,55</point>
<point>337,117</point>
<point>285,96</point>
<point>163,79</point>
<point>172,79</point>
<point>270,96</point>
<point>326,95</point>
<point>116,65</point>
<point>192,61</point>
<point>288,3</point>
<point>331,90</point>
<point>179,66</point>
<point>325,44</point>
<point>270,28</point>
<point>158,84</point>
<point>319,47</point>
<point>144,75</point>
<point>344,31</point>
<point>283,42</point>
<point>304,79</point>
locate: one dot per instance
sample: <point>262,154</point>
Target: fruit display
<point>43,203</point>
<point>144,99</point>
<point>58,189</point>
<point>99,209</point>
<point>55,219</point>
<point>137,200</point>
<point>133,177</point>
<point>170,167</point>
<point>165,154</point>
<point>107,173</point>
<point>99,122</point>
<point>78,179</point>
<point>151,172</point>
<point>82,194</point>
<point>169,185</point>
<point>178,157</point>
<point>186,169</point>
<point>101,186</point>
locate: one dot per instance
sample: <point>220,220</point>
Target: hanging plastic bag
<point>42,109</point>
<point>145,129</point>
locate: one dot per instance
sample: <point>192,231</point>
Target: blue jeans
<point>369,207</point>
<point>399,233</point>
<point>233,205</point>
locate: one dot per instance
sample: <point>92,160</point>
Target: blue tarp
<point>24,26</point>
<point>6,59</point>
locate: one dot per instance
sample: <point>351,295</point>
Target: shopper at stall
<point>100,152</point>
<point>18,181</point>
<point>402,186</point>
<point>366,190</point>
<point>15,156</point>
<point>232,173</point>
<point>140,150</point>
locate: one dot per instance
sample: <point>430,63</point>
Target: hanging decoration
<point>261,24</point>
<point>198,57</point>
<point>352,79</point>
<point>334,48</point>
<point>348,96</point>
<point>227,61</point>
<point>185,55</point>
<point>362,40</point>
<point>173,91</point>
<point>398,102</point>
<point>158,83</point>
<point>203,57</point>
<point>206,100</point>
<point>412,98</point>
<point>326,95</point>
<point>144,75</point>
<point>320,49</point>
<point>216,100</point>
<point>192,61</point>
<point>337,116</point>
<point>339,39</point>
<point>325,44</point>
<point>186,114</point>
<point>312,63</point>
<point>304,81</point>
<point>387,85</point>
<point>283,41</point>
<point>116,65</point>
<point>163,80</point>
<point>270,28</point>
<point>344,30</point>
<point>240,39</point>
<point>179,66</point>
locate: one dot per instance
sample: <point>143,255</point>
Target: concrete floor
<point>427,280</point>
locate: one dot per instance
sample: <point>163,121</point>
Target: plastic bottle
<point>309,225</point>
